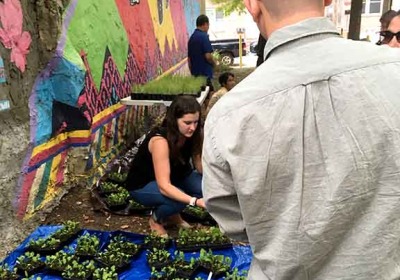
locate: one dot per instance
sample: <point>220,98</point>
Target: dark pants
<point>151,196</point>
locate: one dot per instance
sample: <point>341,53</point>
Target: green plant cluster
<point>68,230</point>
<point>155,241</point>
<point>236,275</point>
<point>118,177</point>
<point>166,273</point>
<point>59,261</point>
<point>114,258</point>
<point>29,261</point>
<point>87,245</point>
<point>105,273</point>
<point>79,271</point>
<point>109,187</point>
<point>118,198</point>
<point>172,85</point>
<point>119,243</point>
<point>136,205</point>
<point>6,273</point>
<point>158,256</point>
<point>201,237</point>
<point>217,264</point>
<point>196,211</point>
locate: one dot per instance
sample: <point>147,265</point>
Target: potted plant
<point>135,207</point>
<point>7,274</point>
<point>120,243</point>
<point>116,258</point>
<point>87,245</point>
<point>58,262</point>
<point>56,240</point>
<point>29,263</point>
<point>106,187</point>
<point>79,271</point>
<point>45,245</point>
<point>184,269</point>
<point>166,273</point>
<point>236,275</point>
<point>69,230</point>
<point>168,87</point>
<point>196,239</point>
<point>118,177</point>
<point>218,265</point>
<point>158,258</point>
<point>117,201</point>
<point>195,214</point>
<point>105,273</point>
<point>155,241</point>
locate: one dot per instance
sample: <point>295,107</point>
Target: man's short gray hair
<point>280,8</point>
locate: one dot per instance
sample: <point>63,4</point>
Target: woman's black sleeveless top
<point>142,170</point>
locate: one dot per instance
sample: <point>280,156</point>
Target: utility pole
<point>355,19</point>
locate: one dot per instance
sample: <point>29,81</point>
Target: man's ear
<point>253,7</point>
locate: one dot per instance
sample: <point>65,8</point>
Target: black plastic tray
<point>194,248</point>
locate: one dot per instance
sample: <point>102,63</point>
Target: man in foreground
<point>302,158</point>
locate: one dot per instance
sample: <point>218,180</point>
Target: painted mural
<point>105,47</point>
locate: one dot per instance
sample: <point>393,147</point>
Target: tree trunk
<point>387,5</point>
<point>355,19</point>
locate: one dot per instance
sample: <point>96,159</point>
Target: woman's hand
<point>200,203</point>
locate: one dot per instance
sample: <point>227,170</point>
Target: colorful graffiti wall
<point>105,47</point>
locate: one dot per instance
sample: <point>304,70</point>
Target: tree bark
<point>355,19</point>
<point>387,5</point>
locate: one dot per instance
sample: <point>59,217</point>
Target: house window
<point>372,6</point>
<point>219,15</point>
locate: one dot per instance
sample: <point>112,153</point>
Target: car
<point>254,47</point>
<point>228,50</point>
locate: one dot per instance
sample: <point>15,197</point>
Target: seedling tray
<point>118,267</point>
<point>32,271</point>
<point>198,247</point>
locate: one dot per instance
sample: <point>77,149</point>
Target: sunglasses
<point>387,36</point>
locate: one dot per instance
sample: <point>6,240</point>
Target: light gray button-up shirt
<point>302,158</point>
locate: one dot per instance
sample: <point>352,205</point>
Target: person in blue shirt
<point>200,59</point>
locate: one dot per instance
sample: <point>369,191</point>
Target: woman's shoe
<point>176,220</point>
<point>157,228</point>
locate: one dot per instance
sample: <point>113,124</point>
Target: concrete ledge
<point>128,101</point>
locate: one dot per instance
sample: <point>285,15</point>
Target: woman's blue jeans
<point>164,207</point>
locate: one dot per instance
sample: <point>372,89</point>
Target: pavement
<point>250,60</point>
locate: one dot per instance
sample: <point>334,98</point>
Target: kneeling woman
<point>161,175</point>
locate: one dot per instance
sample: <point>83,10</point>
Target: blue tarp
<point>241,255</point>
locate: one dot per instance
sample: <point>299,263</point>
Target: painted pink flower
<point>11,35</point>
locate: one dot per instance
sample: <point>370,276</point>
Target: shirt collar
<point>305,28</point>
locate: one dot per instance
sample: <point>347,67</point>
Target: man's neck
<point>201,29</point>
<point>272,26</point>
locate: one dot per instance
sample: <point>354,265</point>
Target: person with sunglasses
<point>390,29</point>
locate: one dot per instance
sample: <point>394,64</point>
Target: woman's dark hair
<point>182,105</point>
<point>387,17</point>
<point>223,78</point>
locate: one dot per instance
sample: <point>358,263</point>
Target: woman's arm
<point>158,147</point>
<point>197,163</point>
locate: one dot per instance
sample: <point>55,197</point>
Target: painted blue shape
<point>2,73</point>
<point>64,84</point>
<point>192,11</point>
<point>4,105</point>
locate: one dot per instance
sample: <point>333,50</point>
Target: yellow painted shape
<point>107,112</point>
<point>59,138</point>
<point>52,187</point>
<point>35,188</point>
<point>166,29</point>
